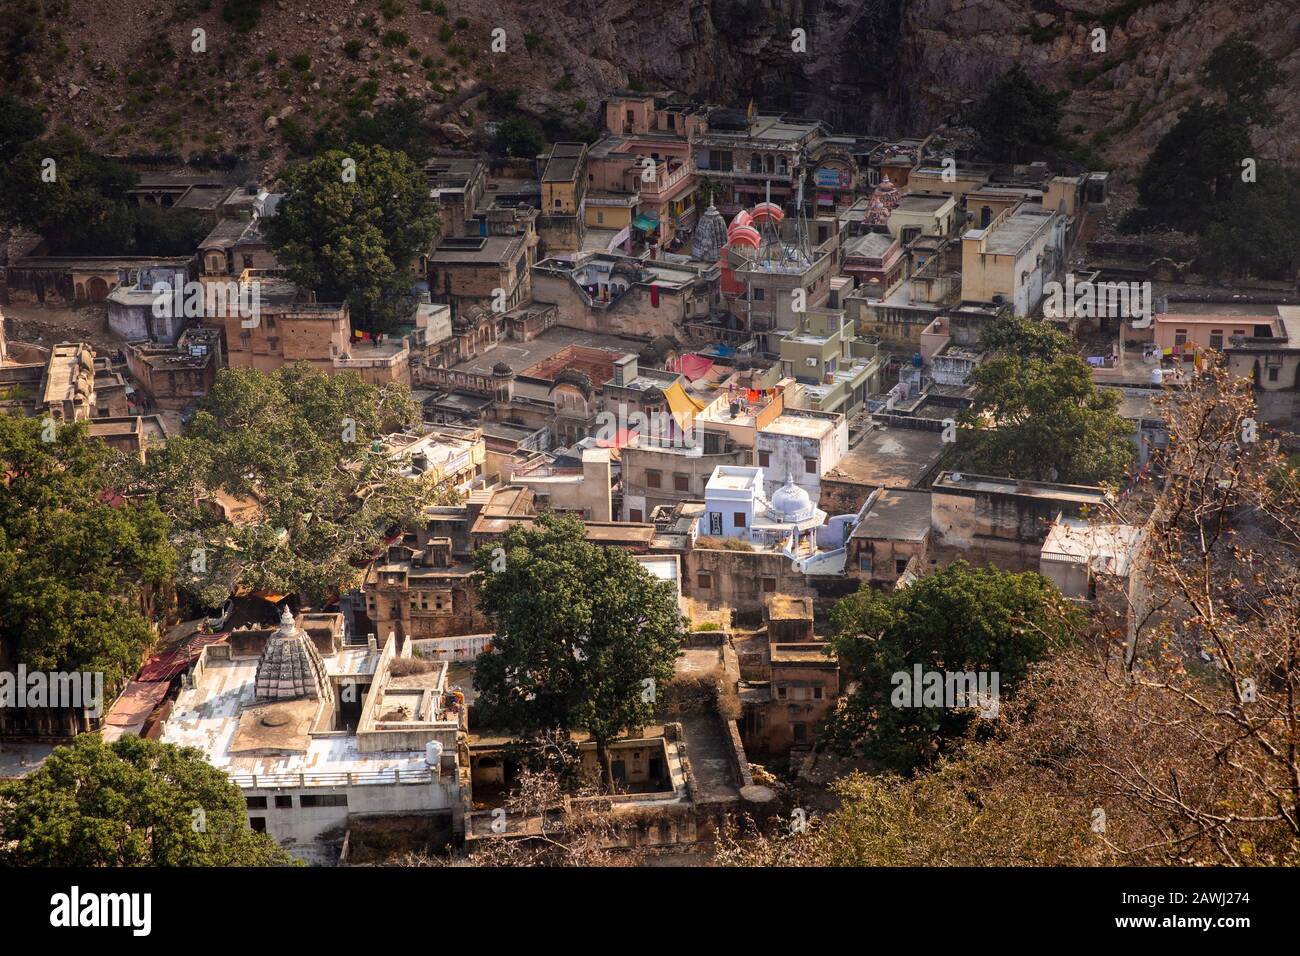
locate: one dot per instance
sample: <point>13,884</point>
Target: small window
<point>256,803</point>
<point>738,519</point>
<point>323,800</point>
<point>764,459</point>
<point>257,824</point>
<point>758,295</point>
<point>864,562</point>
<point>634,515</point>
<point>1272,374</point>
<point>810,466</point>
<point>600,218</point>
<point>900,565</point>
<point>769,585</point>
<point>681,482</point>
<point>705,581</point>
<point>653,479</point>
<point>780,692</point>
<point>817,692</point>
<point>1216,339</point>
<point>284,802</point>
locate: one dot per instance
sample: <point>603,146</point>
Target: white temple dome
<point>791,503</point>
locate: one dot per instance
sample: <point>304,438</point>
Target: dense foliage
<point>957,619</point>
<point>1037,414</point>
<point>80,566</point>
<point>349,226</point>
<point>133,803</point>
<point>584,634</point>
<point>296,444</point>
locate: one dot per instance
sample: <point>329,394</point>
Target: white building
<point>1076,553</point>
<point>736,506</point>
<point>800,444</point>
<point>314,735</point>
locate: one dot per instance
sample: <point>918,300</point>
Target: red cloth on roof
<point>135,705</point>
<point>163,667</point>
<point>695,366</point>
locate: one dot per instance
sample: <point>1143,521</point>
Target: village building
<point>837,368</point>
<point>1009,261</point>
<point>617,295</point>
<point>315,733</point>
<point>893,536</point>
<point>562,216</point>
<point>458,185</point>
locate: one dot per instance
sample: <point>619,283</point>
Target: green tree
<point>1039,417</point>
<point>1245,76</point>
<point>80,566</point>
<point>583,635</point>
<point>1258,234</point>
<point>78,204</point>
<point>1193,170</point>
<point>133,803</point>
<point>349,226</point>
<point>1036,340</point>
<point>1017,118</point>
<point>168,232</point>
<point>518,136</point>
<point>299,442</point>
<point>20,123</point>
<point>958,619</point>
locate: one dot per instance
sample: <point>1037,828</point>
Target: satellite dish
<point>956,476</point>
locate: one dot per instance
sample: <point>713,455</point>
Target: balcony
<point>664,184</point>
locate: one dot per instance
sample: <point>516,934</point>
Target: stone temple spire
<point>290,667</point>
<point>710,236</point>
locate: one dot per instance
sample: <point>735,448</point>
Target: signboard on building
<point>715,522</point>
<point>832,177</point>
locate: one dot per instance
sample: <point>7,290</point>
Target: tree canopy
<point>958,619</point>
<point>584,635</point>
<point>1017,117</point>
<point>1205,177</point>
<point>135,802</point>
<point>1194,168</point>
<point>1245,76</point>
<point>297,443</point>
<point>1037,414</point>
<point>349,226</point>
<point>80,565</point>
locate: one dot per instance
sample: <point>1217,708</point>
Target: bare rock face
<point>890,67</point>
<point>903,66</point>
<point>453,132</point>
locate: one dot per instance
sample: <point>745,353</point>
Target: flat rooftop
<point>897,514</point>
<point>1017,231</point>
<point>207,716</point>
<point>800,426</point>
<point>922,202</point>
<point>986,484</point>
<point>889,458</point>
<point>522,355</point>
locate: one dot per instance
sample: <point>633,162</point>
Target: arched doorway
<point>96,289</point>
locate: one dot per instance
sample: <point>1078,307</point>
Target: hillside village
<point>781,380</point>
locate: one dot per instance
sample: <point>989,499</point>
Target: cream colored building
<point>1009,261</point>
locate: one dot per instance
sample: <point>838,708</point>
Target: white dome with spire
<point>791,503</point>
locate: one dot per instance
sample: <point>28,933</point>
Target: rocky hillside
<point>127,73</point>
